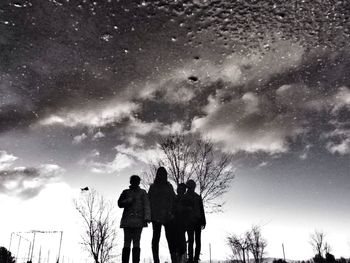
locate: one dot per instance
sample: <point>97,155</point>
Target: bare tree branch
<point>257,244</point>
<point>240,247</point>
<point>187,157</point>
<point>318,243</point>
<point>99,236</point>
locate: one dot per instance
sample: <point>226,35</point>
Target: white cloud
<point>305,153</point>
<point>342,148</point>
<point>139,153</point>
<point>341,99</point>
<point>51,169</point>
<point>126,157</point>
<point>98,135</point>
<point>244,124</point>
<point>79,138</point>
<point>6,160</point>
<point>338,139</point>
<point>120,162</point>
<point>139,127</point>
<point>96,116</point>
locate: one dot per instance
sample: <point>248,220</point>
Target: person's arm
<point>124,200</point>
<point>150,192</point>
<point>172,201</point>
<point>203,220</point>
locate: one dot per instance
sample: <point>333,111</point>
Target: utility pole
<point>284,254</point>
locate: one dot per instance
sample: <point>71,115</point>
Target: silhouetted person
<point>161,195</point>
<point>196,220</point>
<point>181,212</point>
<point>136,215</point>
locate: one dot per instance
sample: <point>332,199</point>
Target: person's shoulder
<point>143,191</point>
<point>125,191</point>
<point>197,196</point>
<point>151,187</point>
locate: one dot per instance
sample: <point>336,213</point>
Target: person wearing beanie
<point>135,216</point>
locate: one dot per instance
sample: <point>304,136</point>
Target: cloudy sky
<point>88,88</point>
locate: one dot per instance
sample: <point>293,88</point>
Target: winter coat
<point>136,208</point>
<point>180,211</point>
<point>161,197</point>
<point>194,210</point>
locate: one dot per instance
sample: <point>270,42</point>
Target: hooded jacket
<point>136,207</point>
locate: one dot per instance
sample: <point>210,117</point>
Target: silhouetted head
<point>135,180</point>
<point>161,176</point>
<point>181,189</point>
<point>191,185</point>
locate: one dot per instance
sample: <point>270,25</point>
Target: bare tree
<point>257,244</point>
<point>240,247</point>
<point>187,157</point>
<point>213,172</point>
<point>327,248</point>
<point>318,243</point>
<point>99,236</point>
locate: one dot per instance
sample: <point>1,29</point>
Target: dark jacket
<point>136,208</point>
<point>194,210</point>
<point>161,197</point>
<point>180,211</point>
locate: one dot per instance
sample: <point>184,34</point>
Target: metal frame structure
<point>32,242</point>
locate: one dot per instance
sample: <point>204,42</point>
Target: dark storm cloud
<point>268,113</point>
<point>257,102</point>
<point>127,66</point>
<point>64,55</point>
<point>261,102</point>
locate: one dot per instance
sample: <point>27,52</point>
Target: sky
<point>88,89</point>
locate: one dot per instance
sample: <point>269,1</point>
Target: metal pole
<point>209,252</point>
<point>19,243</point>
<point>31,256</point>
<point>59,249</point>
<point>10,241</point>
<point>30,248</point>
<point>284,254</point>
<point>39,261</point>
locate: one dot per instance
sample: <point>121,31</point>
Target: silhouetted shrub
<point>5,256</point>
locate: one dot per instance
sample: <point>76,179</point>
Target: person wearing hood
<point>135,216</point>
<point>162,196</point>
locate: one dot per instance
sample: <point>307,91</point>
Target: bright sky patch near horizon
<point>89,87</point>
